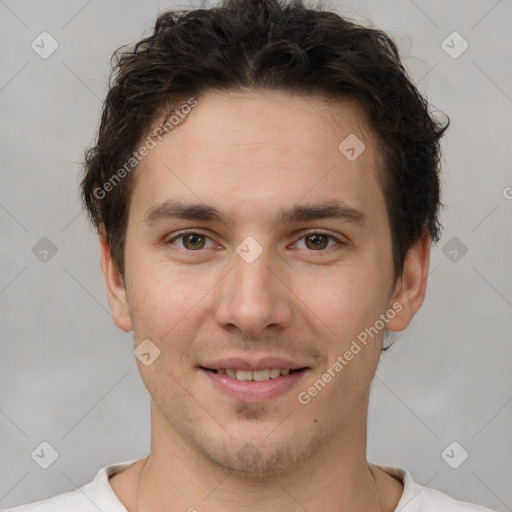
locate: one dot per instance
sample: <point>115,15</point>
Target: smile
<point>258,376</point>
<point>254,386</point>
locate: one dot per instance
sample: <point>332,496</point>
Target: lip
<point>263,363</point>
<point>253,391</point>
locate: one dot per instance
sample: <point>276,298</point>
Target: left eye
<point>318,241</point>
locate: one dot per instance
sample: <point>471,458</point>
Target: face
<point>254,243</point>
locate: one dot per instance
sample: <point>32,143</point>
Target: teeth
<point>261,375</point>
<point>243,375</point>
<point>258,376</point>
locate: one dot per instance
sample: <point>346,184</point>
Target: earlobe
<point>116,291</point>
<point>411,286</point>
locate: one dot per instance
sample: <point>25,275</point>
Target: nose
<point>253,298</point>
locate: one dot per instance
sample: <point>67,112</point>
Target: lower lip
<point>253,391</point>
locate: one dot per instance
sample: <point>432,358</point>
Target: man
<point>265,187</point>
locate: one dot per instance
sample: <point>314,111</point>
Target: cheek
<point>159,299</point>
<point>164,313</point>
<point>170,306</point>
<point>346,300</point>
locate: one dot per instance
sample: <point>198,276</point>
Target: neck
<point>336,478</point>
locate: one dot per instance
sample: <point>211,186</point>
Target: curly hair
<point>266,45</point>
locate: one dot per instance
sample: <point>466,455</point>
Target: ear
<point>116,291</point>
<point>411,286</point>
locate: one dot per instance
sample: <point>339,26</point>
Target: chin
<point>255,458</point>
<point>258,452</point>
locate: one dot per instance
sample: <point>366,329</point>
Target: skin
<point>250,155</point>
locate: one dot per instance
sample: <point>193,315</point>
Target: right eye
<point>191,241</point>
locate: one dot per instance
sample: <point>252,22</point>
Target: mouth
<point>254,386</point>
<point>257,376</point>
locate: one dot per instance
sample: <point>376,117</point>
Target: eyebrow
<point>169,210</point>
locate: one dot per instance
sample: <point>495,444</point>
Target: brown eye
<point>316,241</point>
<point>193,241</point>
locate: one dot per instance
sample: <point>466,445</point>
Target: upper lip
<point>263,363</point>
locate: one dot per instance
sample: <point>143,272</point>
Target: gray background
<point>68,376</point>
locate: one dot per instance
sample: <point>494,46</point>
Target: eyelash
<point>181,234</point>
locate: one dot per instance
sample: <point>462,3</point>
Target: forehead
<point>244,151</point>
<point>288,123</point>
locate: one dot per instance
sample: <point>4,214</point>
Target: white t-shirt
<point>99,495</point>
